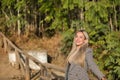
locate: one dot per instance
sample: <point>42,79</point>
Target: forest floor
<point>51,45</point>
<point>7,72</point>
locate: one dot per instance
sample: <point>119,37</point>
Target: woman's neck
<point>78,47</point>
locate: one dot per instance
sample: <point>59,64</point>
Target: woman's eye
<point>80,37</point>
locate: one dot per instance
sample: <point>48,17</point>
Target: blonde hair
<point>78,57</point>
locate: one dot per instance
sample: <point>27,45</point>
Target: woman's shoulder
<point>89,49</point>
<point>89,53</point>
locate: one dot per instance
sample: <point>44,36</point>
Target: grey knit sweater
<point>76,72</point>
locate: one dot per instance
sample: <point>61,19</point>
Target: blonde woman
<point>80,59</point>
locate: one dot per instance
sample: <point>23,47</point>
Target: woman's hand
<point>103,78</point>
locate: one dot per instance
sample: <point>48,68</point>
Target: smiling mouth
<point>78,41</point>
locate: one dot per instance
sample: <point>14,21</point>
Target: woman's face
<point>79,38</point>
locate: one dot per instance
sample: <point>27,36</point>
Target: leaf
<point>89,5</point>
<point>20,4</point>
<point>65,4</point>
<point>48,18</point>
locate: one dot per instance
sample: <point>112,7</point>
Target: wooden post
<point>1,41</point>
<point>20,62</point>
<point>17,60</point>
<point>27,71</point>
<point>5,45</point>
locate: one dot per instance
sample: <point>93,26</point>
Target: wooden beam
<point>27,71</point>
<point>52,66</point>
<point>35,76</point>
<point>9,42</point>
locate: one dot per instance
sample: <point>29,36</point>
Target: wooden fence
<point>47,71</point>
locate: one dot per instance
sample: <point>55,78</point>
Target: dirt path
<point>7,72</point>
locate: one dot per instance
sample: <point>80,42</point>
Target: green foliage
<point>7,3</point>
<point>20,5</point>
<point>13,11</point>
<point>112,62</point>
<point>67,40</point>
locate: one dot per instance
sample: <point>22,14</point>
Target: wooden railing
<point>47,71</point>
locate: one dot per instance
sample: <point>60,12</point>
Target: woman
<point>80,59</point>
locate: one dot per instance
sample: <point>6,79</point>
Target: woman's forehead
<point>79,33</point>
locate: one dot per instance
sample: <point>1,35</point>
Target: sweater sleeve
<point>91,64</point>
<point>66,71</point>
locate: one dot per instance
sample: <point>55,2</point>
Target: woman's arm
<point>103,78</point>
<point>92,66</point>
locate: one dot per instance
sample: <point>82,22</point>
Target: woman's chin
<point>78,44</point>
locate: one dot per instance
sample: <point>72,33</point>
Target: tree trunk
<point>18,22</point>
<point>115,16</point>
<point>111,24</point>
